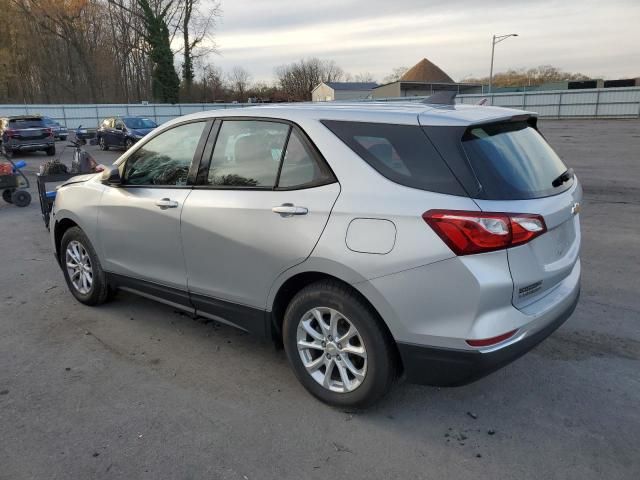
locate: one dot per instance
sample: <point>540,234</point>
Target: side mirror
<point>111,176</point>
<point>119,127</point>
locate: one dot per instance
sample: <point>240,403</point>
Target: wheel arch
<point>59,228</point>
<point>295,282</point>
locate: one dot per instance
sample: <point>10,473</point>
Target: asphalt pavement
<point>136,390</point>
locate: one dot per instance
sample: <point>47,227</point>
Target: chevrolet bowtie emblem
<point>575,209</point>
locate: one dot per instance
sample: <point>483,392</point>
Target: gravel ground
<point>136,390</point>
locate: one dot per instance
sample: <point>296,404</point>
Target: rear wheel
<point>63,137</point>
<point>128,144</point>
<point>337,346</point>
<point>6,195</point>
<point>21,198</point>
<point>103,144</point>
<point>51,151</point>
<point>82,270</point>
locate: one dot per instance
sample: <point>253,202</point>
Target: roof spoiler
<point>444,97</point>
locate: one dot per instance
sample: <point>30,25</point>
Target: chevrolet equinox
<point>371,240</point>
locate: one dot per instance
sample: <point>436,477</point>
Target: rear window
<point>512,161</point>
<point>401,153</point>
<point>18,123</point>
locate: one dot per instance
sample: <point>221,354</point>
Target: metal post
<point>597,103</point>
<point>64,116</point>
<point>493,48</point>
<point>559,104</point>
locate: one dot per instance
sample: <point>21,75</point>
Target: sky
<point>598,38</point>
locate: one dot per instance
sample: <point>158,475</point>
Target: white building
<point>326,92</point>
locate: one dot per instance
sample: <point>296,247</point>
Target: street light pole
<point>496,39</point>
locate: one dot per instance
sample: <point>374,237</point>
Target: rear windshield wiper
<point>564,177</point>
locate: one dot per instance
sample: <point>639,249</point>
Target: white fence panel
<point>602,102</point>
<point>619,110</point>
<point>578,110</point>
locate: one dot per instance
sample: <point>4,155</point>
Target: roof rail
<point>444,97</point>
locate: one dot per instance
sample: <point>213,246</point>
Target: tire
<point>6,195</point>
<point>128,144</point>
<point>378,367</point>
<point>103,144</point>
<point>63,138</point>
<point>51,151</point>
<point>75,241</point>
<point>21,198</point>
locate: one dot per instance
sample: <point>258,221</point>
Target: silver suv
<point>371,240</point>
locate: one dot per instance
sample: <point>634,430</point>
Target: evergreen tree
<point>165,81</point>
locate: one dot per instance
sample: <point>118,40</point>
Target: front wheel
<point>82,270</point>
<point>337,346</point>
<point>128,144</point>
<point>103,144</point>
<point>51,151</point>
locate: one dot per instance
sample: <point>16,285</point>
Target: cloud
<point>596,38</point>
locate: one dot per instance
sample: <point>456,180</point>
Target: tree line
<point>102,51</point>
<point>128,51</point>
<point>528,77</point>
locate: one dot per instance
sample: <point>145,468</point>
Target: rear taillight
<point>467,233</point>
<point>10,133</point>
<point>49,132</point>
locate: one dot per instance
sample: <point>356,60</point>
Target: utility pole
<point>496,39</point>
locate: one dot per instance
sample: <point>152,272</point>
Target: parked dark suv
<point>123,132</point>
<point>60,132</point>
<point>27,133</point>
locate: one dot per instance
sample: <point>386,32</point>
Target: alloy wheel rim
<point>331,350</point>
<point>79,267</point>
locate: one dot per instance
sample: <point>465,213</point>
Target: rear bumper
<point>31,146</point>
<point>453,367</point>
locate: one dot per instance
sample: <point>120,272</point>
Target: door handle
<point>166,203</point>
<point>289,210</point>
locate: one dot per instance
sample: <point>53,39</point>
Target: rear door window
<point>248,153</point>
<point>401,153</point>
<point>512,161</point>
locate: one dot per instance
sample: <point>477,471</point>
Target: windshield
<point>139,123</point>
<point>512,161</point>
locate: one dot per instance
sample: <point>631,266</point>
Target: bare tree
<point>197,35</point>
<point>395,74</point>
<point>362,77</point>
<point>239,79</point>
<point>298,79</point>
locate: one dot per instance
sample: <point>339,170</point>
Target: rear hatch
<point>28,129</point>
<point>520,173</point>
